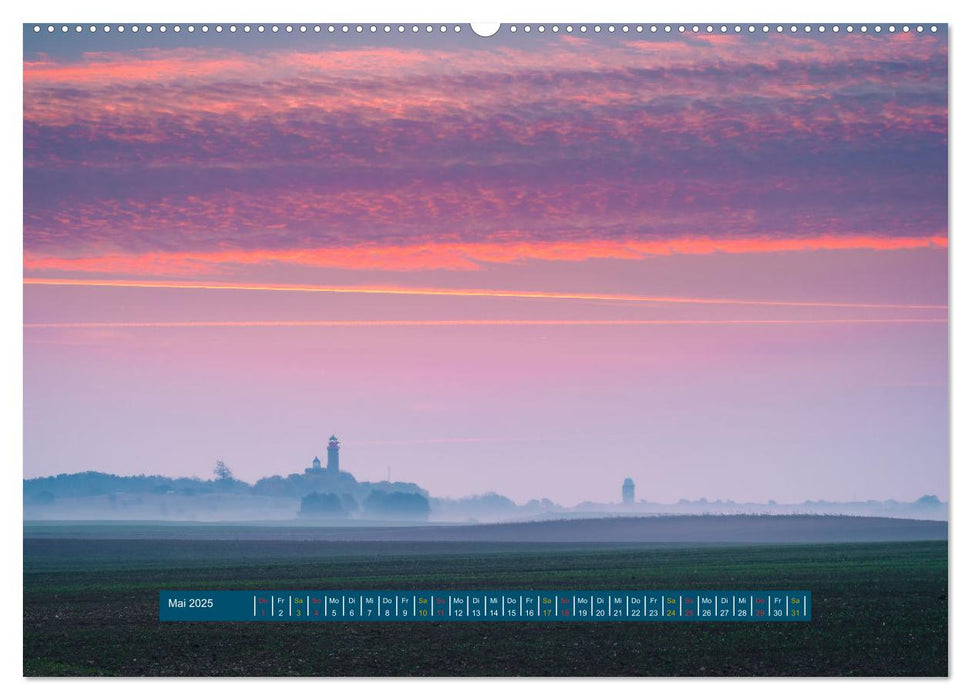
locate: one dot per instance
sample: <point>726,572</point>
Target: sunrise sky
<point>532,264</point>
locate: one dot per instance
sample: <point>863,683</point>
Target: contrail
<point>476,322</point>
<point>445,292</point>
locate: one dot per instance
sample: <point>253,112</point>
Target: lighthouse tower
<point>333,454</point>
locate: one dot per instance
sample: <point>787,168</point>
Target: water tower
<point>627,490</point>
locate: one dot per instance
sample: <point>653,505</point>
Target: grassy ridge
<point>879,609</point>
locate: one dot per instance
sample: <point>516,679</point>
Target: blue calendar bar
<point>485,606</point>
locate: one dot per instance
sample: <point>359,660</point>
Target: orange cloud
<point>455,256</point>
<point>397,81</point>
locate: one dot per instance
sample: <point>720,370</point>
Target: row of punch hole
<point>512,28</point>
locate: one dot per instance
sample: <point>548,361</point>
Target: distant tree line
<point>382,500</point>
<point>100,484</point>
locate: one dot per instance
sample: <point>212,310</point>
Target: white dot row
<point>722,29</point>
<point>246,28</point>
<point>540,28</point>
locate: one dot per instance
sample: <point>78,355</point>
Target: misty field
<point>91,608</point>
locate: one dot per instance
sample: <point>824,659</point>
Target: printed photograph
<point>573,350</point>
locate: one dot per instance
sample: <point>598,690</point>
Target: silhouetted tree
<point>222,472</point>
<point>321,505</point>
<point>396,504</point>
<point>349,503</point>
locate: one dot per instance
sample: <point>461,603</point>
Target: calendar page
<point>547,349</point>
